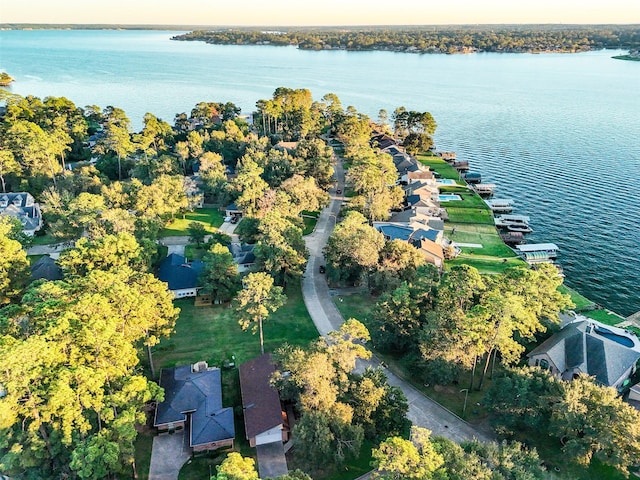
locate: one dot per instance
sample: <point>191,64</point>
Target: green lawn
<point>487,265</point>
<point>604,316</point>
<point>310,219</point>
<point>580,302</point>
<point>438,165</point>
<point>212,334</point>
<point>357,305</point>
<point>45,239</point>
<point>211,218</point>
<point>468,215</point>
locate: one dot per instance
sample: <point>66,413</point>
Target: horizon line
<point>9,24</point>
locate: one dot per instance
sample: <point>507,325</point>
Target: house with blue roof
<point>181,276</point>
<point>193,400</point>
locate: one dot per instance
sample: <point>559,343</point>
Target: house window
<point>544,364</point>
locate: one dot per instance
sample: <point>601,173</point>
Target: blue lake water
<point>557,133</point>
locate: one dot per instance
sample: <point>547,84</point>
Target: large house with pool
<point>587,347</point>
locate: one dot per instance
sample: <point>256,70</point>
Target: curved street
<point>423,411</point>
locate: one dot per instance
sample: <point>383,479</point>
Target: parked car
<point>235,219</point>
<point>323,269</point>
<point>227,219</point>
<point>338,191</point>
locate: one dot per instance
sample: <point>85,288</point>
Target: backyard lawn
<point>211,218</point>
<point>212,334</point>
<point>438,165</point>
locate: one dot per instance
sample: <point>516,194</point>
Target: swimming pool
<point>446,181</point>
<point>448,197</point>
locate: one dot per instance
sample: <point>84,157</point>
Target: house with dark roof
<point>181,276</point>
<point>427,240</point>
<point>22,205</point>
<point>47,268</point>
<point>587,347</point>
<point>193,400</point>
<point>243,256</point>
<point>264,420</point>
<point>232,210</point>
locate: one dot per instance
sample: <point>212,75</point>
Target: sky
<point>314,12</point>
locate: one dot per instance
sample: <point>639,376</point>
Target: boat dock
<point>500,205</point>
<point>484,189</point>
<point>538,252</point>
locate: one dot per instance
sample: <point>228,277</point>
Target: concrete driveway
<point>169,454</point>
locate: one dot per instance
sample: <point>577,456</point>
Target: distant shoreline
<point>630,58</point>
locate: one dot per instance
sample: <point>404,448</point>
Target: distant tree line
<point>436,39</point>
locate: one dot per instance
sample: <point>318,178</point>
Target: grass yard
<point>310,219</point>
<point>581,303</point>
<point>604,316</point>
<point>46,239</point>
<point>212,334</point>
<point>438,165</point>
<point>469,215</point>
<point>485,235</point>
<point>357,305</point>
<point>486,265</point>
<point>211,218</point>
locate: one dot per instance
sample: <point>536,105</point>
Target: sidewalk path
<point>423,411</point>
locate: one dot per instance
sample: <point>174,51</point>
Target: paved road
<point>423,411</point>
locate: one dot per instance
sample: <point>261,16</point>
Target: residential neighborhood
<point>305,296</point>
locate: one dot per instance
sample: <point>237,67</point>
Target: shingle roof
<point>178,273</point>
<point>425,233</point>
<point>46,268</point>
<point>260,401</point>
<point>395,232</point>
<point>598,350</point>
<point>198,393</point>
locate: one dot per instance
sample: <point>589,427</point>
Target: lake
<point>559,133</point>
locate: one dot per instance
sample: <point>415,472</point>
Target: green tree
<point>416,143</point>
<point>67,366</point>
<point>321,435</point>
<point>508,459</point>
<point>212,173</point>
<point>397,458</point>
<point>117,138</point>
<point>521,400</point>
<point>107,253</point>
<point>399,262</point>
<point>8,165</point>
<point>595,423</point>
<point>249,185</point>
<point>353,249</point>
<point>257,299</point>
<point>14,266</point>
<point>220,274</point>
<point>236,467</point>
<point>197,232</point>
<point>280,250</point>
<point>315,159</point>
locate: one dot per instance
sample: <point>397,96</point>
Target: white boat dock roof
<point>499,202</point>
<point>517,218</point>
<point>537,247</point>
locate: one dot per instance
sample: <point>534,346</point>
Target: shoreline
<point>584,305</point>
